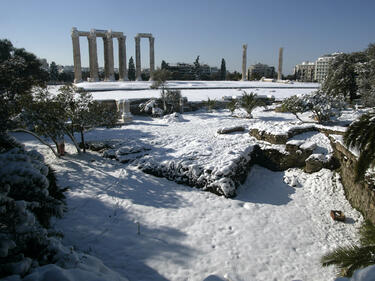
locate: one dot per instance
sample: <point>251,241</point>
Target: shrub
<point>361,134</point>
<point>29,197</point>
<point>249,102</point>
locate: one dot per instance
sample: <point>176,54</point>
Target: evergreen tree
<point>361,134</point>
<point>164,65</point>
<point>341,77</point>
<point>223,70</point>
<point>131,70</point>
<point>53,72</point>
<point>197,69</point>
<point>20,71</point>
<point>366,77</point>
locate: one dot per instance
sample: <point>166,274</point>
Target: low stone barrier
<point>360,194</point>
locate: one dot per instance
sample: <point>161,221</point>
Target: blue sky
<point>185,29</point>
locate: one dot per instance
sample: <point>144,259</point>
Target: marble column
<point>76,56</point>
<point>280,69</point>
<point>105,49</point>
<point>123,75</point>
<point>138,58</point>
<point>110,60</point>
<point>93,56</point>
<point>244,58</point>
<point>152,58</point>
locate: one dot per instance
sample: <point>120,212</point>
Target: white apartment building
<point>322,65</point>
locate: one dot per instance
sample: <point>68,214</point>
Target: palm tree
<point>361,134</point>
<point>350,258</point>
<point>249,102</point>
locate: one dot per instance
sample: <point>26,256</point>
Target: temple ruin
<point>109,72</point>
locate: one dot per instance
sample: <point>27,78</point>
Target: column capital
<point>75,32</point>
<point>108,34</point>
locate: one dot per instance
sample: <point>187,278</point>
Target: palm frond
<point>350,258</point>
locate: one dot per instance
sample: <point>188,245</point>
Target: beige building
<point>305,72</point>
<point>259,70</point>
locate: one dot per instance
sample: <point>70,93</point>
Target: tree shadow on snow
<point>264,186</point>
<point>109,230</point>
<point>108,177</point>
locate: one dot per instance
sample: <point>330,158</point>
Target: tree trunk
<point>83,141</point>
<point>37,137</point>
<point>73,140</point>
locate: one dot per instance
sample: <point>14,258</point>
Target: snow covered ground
<point>194,90</point>
<point>149,228</point>
<point>136,85</point>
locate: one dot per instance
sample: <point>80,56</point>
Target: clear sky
<point>185,29</point>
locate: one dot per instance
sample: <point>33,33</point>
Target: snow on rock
<point>173,117</point>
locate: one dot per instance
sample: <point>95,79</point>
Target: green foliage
<point>197,69</point>
<point>164,65</point>
<point>223,70</point>
<point>249,102</point>
<point>20,71</point>
<point>29,197</point>
<point>341,78</point>
<point>160,76</point>
<point>294,105</point>
<point>210,104</point>
<point>45,116</point>
<point>350,258</point>
<point>171,100</point>
<point>361,134</point>
<point>352,74</point>
<point>232,105</point>
<point>131,69</point>
<point>53,72</point>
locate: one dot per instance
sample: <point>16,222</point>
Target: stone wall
<point>361,194</point>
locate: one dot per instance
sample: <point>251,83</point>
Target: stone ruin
<point>107,36</point>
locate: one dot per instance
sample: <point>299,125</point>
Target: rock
<point>230,130</point>
<point>314,163</point>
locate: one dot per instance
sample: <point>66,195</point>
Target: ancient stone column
<point>138,58</point>
<point>93,57</point>
<point>105,48</point>
<point>110,60</point>
<point>76,56</point>
<point>244,58</point>
<point>123,75</point>
<point>280,69</point>
<point>152,57</point>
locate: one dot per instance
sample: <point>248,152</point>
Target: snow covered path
<point>277,227</point>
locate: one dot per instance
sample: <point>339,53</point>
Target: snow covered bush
<point>29,197</point>
<point>294,105</point>
<point>210,104</point>
<point>361,134</point>
<point>151,107</point>
<point>322,105</point>
<point>353,74</point>
<point>172,101</point>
